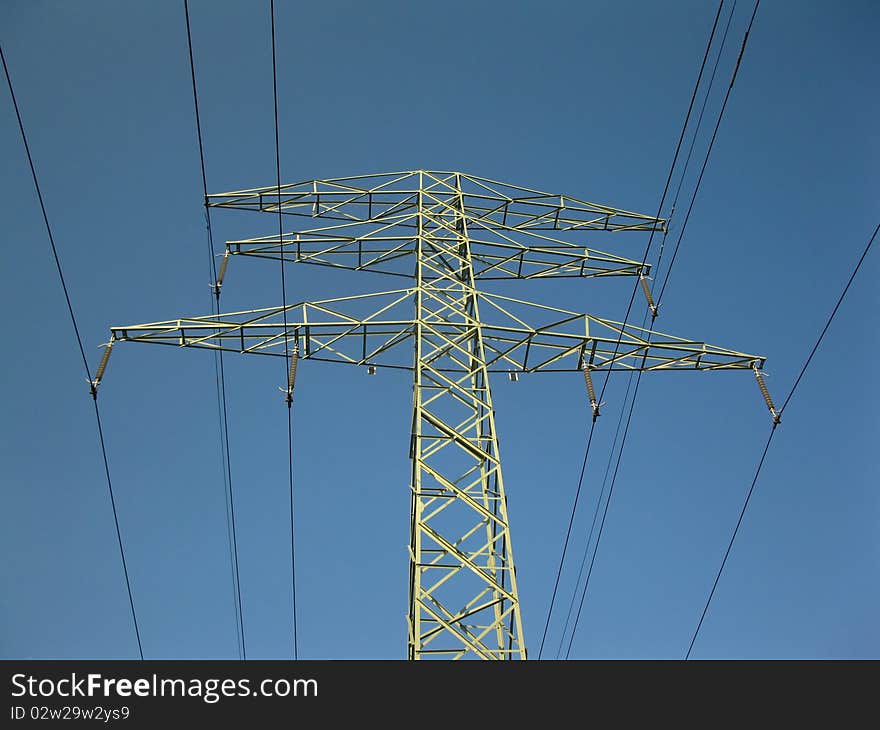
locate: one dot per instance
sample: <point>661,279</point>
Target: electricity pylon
<point>445,230</point>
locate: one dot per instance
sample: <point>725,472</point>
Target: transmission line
<point>219,371</point>
<point>830,318</point>
<point>92,381</point>
<point>595,515</point>
<point>659,299</point>
<point>290,369</point>
<point>770,437</point>
<point>694,136</point>
<point>687,161</point>
<point>577,617</point>
<point>620,337</point>
<point>742,49</point>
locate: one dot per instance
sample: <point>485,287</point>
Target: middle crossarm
<point>387,249</point>
<point>329,330</point>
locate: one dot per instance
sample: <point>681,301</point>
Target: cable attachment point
<point>759,376</point>
<point>220,274</point>
<point>643,280</point>
<point>102,366</point>
<point>591,392</point>
<point>291,376</point>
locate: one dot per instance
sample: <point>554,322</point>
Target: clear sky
<point>581,98</point>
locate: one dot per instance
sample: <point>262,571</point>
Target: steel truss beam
<point>488,203</point>
<point>325,331</point>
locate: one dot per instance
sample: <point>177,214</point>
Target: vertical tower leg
<point>463,596</point>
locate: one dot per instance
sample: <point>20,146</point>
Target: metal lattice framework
<point>445,230</point>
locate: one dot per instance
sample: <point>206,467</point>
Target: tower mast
<point>463,597</point>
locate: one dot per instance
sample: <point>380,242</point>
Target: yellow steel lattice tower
<point>445,231</point>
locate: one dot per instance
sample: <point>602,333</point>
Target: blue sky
<point>580,98</point>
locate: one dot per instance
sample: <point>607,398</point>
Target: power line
<point>192,68</point>
<point>659,298</point>
<point>620,337</point>
<point>732,538</point>
<point>219,371</point>
<point>742,49</point>
<point>81,350</point>
<point>220,379</point>
<point>770,437</point>
<point>694,136</point>
<point>604,514</point>
<point>574,507</point>
<point>137,632</point>
<point>830,318</point>
<point>27,150</point>
<point>666,186</point>
<point>290,366</point>
<point>595,515</point>
<point>699,124</point>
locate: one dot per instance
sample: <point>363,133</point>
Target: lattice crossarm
<point>602,345</point>
<point>387,251</point>
<point>499,261</point>
<point>325,330</point>
<point>486,203</point>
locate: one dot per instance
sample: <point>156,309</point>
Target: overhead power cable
<point>638,377</point>
<point>219,370</point>
<point>687,217</point>
<point>697,127</point>
<point>599,501</point>
<point>770,437</point>
<point>620,337</point>
<point>577,617</point>
<point>589,542</point>
<point>290,370</point>
<point>81,349</point>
